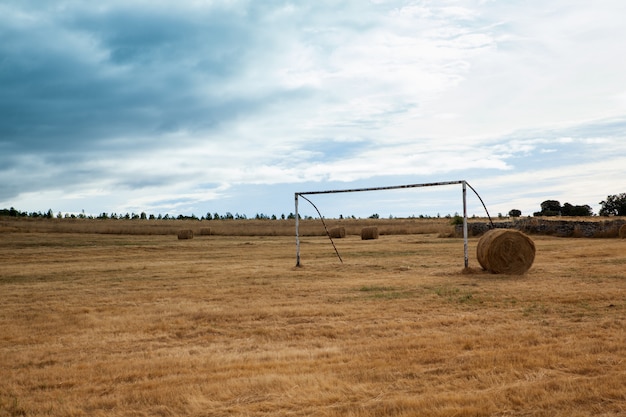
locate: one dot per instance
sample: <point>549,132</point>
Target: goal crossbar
<point>393,187</point>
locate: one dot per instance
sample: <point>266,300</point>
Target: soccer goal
<point>463,184</point>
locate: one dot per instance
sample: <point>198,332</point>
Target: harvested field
<point>121,325</point>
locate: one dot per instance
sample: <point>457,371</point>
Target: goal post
<point>393,187</point>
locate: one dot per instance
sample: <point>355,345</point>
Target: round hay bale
<point>185,234</point>
<point>337,232</point>
<point>503,251</point>
<point>205,231</point>
<point>622,231</point>
<point>368,233</point>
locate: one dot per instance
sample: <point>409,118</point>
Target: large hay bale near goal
<point>622,231</point>
<point>205,231</point>
<point>337,232</point>
<point>185,234</point>
<point>368,233</point>
<point>503,251</point>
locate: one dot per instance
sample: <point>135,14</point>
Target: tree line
<point>614,205</point>
<point>12,212</point>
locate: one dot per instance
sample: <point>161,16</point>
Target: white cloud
<point>192,103</point>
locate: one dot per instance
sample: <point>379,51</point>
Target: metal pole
<point>393,187</point>
<point>465,249</point>
<point>463,182</point>
<point>297,233</point>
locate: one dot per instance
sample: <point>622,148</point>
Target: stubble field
<point>132,325</point>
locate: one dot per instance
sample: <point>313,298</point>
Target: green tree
<point>515,213</point>
<point>571,210</point>
<point>614,205</point>
<point>551,208</point>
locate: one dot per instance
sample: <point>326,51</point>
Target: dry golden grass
<point>223,227</point>
<point>118,325</point>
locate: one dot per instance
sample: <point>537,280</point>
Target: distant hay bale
<point>622,231</point>
<point>368,233</point>
<point>337,232</point>
<point>505,251</point>
<point>205,231</point>
<point>185,234</point>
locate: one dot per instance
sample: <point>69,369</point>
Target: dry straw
<point>205,231</point>
<point>337,232</point>
<point>368,233</point>
<point>622,231</point>
<point>503,251</point>
<point>185,234</point>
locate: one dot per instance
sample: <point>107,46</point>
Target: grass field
<point>147,325</point>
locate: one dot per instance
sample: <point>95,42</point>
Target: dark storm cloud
<point>85,82</point>
<point>136,103</point>
<point>86,75</point>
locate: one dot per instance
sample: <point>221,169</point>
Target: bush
<point>515,213</point>
<point>614,205</point>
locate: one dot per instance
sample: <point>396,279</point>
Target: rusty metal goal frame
<point>463,183</point>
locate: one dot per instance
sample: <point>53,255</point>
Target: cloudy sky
<point>200,106</point>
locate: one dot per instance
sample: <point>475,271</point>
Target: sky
<point>204,106</point>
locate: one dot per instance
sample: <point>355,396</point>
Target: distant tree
<point>571,210</point>
<point>143,216</point>
<point>584,210</point>
<point>550,208</point>
<point>614,205</point>
<point>515,213</point>
<point>457,220</point>
<point>374,216</point>
<point>208,216</point>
